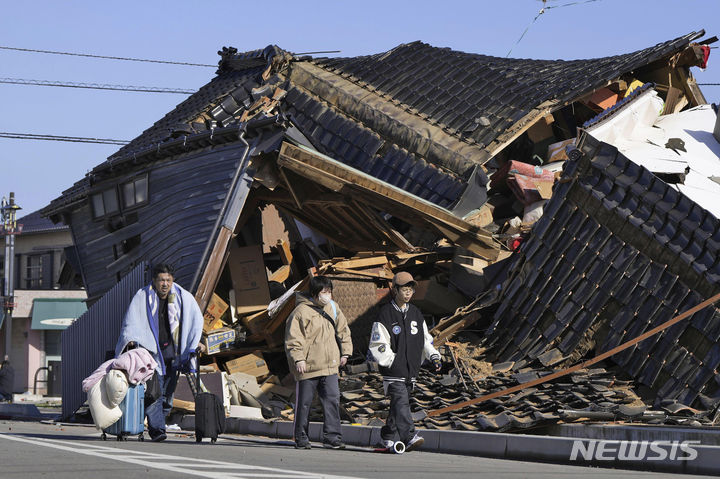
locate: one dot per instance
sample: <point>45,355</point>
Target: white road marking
<point>166,462</point>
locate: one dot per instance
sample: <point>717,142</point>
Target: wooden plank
<point>381,274</point>
<point>386,228</point>
<point>290,188</point>
<point>213,269</point>
<point>521,126</point>
<point>283,248</point>
<point>354,263</point>
<point>671,100</point>
<point>691,87</point>
<point>442,332</point>
<point>281,274</point>
<point>281,316</point>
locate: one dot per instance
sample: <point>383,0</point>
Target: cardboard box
<point>541,130</point>
<point>252,364</point>
<point>213,313</point>
<point>249,279</point>
<point>603,98</point>
<point>219,340</point>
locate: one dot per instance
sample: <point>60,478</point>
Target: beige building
<point>48,297</point>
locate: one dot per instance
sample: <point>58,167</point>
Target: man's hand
<point>343,361</point>
<point>202,348</point>
<point>437,363</point>
<point>301,367</point>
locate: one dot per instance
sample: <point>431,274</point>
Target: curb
<point>597,443</point>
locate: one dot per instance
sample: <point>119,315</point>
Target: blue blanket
<point>140,325</point>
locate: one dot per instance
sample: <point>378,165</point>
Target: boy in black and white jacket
<point>400,343</point>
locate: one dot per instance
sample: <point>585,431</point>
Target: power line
<point>543,10</point>
<point>709,84</point>
<point>96,86</point>
<point>73,139</point>
<point>106,57</point>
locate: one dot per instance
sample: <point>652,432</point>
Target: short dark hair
<point>318,283</point>
<point>163,268</point>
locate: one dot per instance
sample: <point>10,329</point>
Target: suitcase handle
<point>196,353</point>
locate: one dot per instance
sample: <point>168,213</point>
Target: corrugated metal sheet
<point>186,196</point>
<point>86,342</point>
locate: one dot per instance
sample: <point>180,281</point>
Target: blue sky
<point>38,171</point>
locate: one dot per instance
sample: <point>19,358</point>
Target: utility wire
<point>710,84</point>
<point>107,57</point>
<point>73,139</point>
<point>96,86</point>
<point>543,10</point>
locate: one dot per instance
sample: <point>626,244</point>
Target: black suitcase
<point>209,413</point>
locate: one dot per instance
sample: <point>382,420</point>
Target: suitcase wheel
<point>198,438</point>
<point>141,437</point>
<point>213,440</point>
<point>104,437</point>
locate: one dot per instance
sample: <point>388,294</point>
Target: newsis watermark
<point>601,450</point>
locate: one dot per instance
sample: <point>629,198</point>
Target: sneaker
<point>159,438</point>
<point>414,443</point>
<point>334,445</point>
<point>303,445</point>
<point>172,427</point>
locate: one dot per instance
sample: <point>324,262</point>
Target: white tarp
<point>639,132</point>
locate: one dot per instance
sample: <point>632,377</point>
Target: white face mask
<point>324,298</point>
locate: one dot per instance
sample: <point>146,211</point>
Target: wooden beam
<point>290,188</point>
<point>692,90</point>
<point>386,228</point>
<point>521,126</point>
<point>354,263</point>
<point>281,274</point>
<point>383,274</point>
<point>283,249</point>
<point>213,269</point>
<point>314,165</point>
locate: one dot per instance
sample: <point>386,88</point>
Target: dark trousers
<point>160,408</point>
<point>399,423</point>
<point>329,394</point>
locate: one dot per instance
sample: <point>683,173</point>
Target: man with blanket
<point>166,320</point>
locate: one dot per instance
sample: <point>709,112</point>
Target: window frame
<point>119,191</point>
<point>134,182</point>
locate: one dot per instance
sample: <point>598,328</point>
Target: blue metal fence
<point>85,344</point>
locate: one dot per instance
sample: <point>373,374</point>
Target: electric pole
<point>9,228</point>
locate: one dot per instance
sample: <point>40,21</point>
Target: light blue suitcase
<point>132,421</point>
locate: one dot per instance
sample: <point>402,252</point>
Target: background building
<point>48,297</point>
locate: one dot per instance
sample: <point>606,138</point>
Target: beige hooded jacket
<point>311,338</point>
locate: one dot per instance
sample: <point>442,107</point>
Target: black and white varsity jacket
<point>400,341</point>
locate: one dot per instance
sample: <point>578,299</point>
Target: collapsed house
<point>420,158</point>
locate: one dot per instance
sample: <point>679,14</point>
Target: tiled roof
<point>616,253</point>
<point>477,97</point>
<point>473,98</point>
<point>35,223</point>
<point>352,143</point>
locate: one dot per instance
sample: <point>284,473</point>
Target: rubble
<point>548,218</point>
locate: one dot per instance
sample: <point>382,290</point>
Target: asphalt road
<point>35,450</point>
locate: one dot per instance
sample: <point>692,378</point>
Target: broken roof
<point>417,116</point>
<point>617,252</point>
